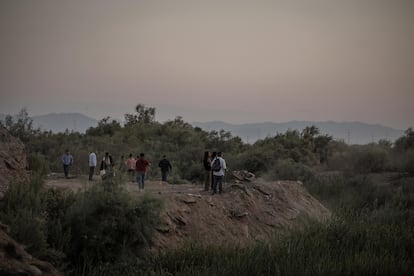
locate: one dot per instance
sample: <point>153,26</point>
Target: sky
<point>235,61</point>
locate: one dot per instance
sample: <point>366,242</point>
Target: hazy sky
<point>237,61</point>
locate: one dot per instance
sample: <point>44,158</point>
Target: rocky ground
<point>245,212</point>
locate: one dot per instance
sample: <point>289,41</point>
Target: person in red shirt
<point>141,167</point>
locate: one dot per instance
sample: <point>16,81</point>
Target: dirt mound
<point>243,213</point>
<point>13,160</point>
<point>14,260</point>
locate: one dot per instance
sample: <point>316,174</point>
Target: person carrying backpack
<point>218,167</point>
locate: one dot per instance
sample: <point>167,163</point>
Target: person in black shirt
<point>165,166</point>
<point>207,168</point>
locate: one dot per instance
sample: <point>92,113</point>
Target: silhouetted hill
<point>349,132</point>
<point>59,122</point>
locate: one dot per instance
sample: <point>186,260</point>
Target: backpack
<point>216,165</point>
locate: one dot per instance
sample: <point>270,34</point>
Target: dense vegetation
<point>105,231</point>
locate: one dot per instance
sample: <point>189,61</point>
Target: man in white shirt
<point>218,173</point>
<point>92,164</point>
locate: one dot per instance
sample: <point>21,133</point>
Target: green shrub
<point>289,170</point>
<point>361,159</point>
<point>408,165</point>
<point>371,159</point>
<point>108,225</point>
<point>57,204</point>
<point>349,191</point>
<point>39,164</point>
<point>84,231</point>
<point>24,213</point>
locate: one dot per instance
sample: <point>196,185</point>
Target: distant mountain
<point>59,122</point>
<point>349,132</point>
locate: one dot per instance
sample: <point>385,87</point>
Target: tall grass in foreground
<point>352,244</point>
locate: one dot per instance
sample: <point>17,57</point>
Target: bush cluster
<point>80,231</point>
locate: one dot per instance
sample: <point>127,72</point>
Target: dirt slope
<point>243,213</point>
<point>13,161</point>
<point>14,260</point>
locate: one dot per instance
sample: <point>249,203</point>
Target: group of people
<point>139,166</point>
<point>215,171</point>
<point>106,167</point>
<point>135,166</point>
<point>214,165</point>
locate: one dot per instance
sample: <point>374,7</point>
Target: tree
<point>105,127</point>
<point>143,114</point>
<point>321,146</point>
<point>406,141</point>
<point>178,121</point>
<point>22,128</point>
<point>308,133</point>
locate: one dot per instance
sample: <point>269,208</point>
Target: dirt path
<point>81,182</point>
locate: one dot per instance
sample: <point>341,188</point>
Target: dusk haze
<point>206,137</point>
<point>233,61</point>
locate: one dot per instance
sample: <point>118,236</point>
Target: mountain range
<point>59,122</point>
<point>349,132</point>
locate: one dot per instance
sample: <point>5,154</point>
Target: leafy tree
<point>321,147</point>
<point>105,127</point>
<point>143,114</point>
<point>309,133</point>
<point>406,141</point>
<point>22,128</point>
<point>385,143</point>
<point>404,152</point>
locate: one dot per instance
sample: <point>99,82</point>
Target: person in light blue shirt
<point>92,164</point>
<point>67,161</point>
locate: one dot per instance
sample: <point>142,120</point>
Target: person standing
<point>122,165</point>
<point>207,168</point>
<point>213,156</point>
<point>165,166</point>
<point>106,166</point>
<point>131,167</point>
<point>67,161</point>
<point>218,172</point>
<point>92,164</point>
<point>141,167</point>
